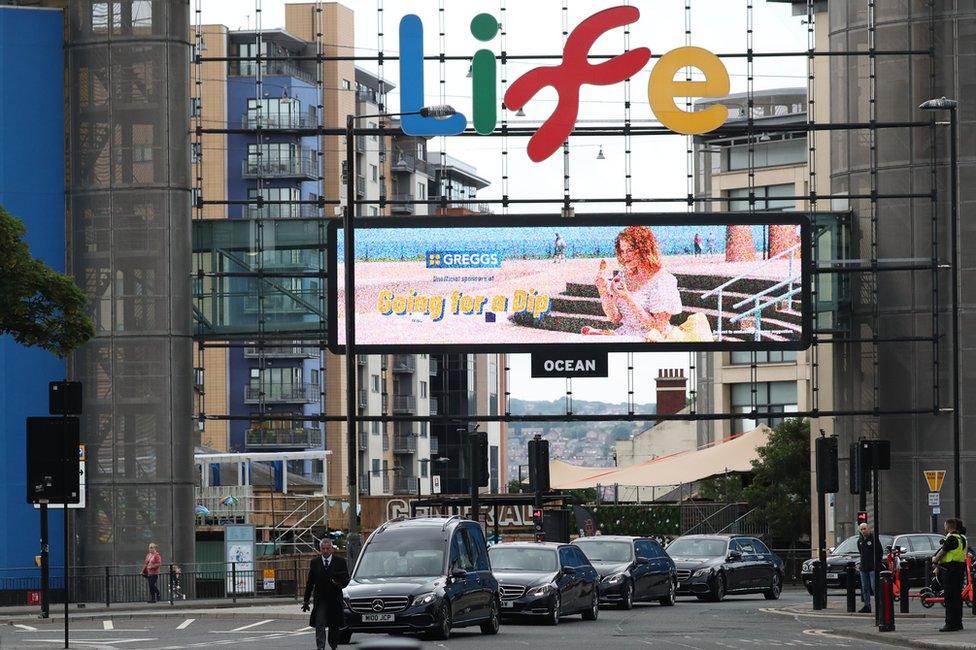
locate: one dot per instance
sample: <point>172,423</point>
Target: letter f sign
<point>569,76</point>
<point>412,85</point>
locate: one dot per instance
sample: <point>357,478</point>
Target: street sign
<point>82,487</point>
<point>936,510</point>
<point>268,579</point>
<point>592,363</point>
<point>934,499</point>
<point>934,478</point>
<point>435,484</point>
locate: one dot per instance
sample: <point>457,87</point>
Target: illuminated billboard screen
<point>663,282</point>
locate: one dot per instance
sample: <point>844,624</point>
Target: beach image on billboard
<point>622,282</point>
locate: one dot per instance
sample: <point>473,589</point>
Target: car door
<point>765,565</point>
<point>589,578</point>
<point>753,572</point>
<point>568,583</point>
<point>736,573</point>
<point>666,567</point>
<point>461,589</point>
<point>643,572</point>
<point>654,568</point>
<point>482,567</point>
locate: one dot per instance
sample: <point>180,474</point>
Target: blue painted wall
<point>31,188</point>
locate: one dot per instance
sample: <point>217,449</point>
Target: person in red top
<point>150,569</point>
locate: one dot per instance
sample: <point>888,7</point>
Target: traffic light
<point>539,464</point>
<point>479,458</point>
<point>827,475</point>
<point>537,524</point>
<point>862,518</point>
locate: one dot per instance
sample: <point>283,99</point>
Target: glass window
<point>768,154</point>
<point>566,557</point>
<point>745,545</point>
<point>423,468</point>
<point>697,547</point>
<point>740,358</point>
<point>461,555</point>
<point>274,112</point>
<point>766,198</point>
<point>581,559</point>
<point>346,85</point>
<point>493,469</point>
<point>374,382</point>
<point>760,547</point>
<point>374,174</point>
<point>376,466</point>
<point>645,549</point>
<point>478,546</point>
<point>423,389</point>
<point>774,397</point>
<point>603,551</point>
<point>403,554</point>
<point>524,558</point>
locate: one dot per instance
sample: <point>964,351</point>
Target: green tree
<point>39,307</point>
<point>780,489</point>
<point>514,487</point>
<point>724,489</point>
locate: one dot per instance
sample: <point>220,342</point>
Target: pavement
<point>738,623</point>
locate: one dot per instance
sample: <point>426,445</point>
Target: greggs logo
<point>567,79</point>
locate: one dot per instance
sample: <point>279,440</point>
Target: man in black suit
<point>327,576</point>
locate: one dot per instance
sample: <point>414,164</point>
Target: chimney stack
<point>672,389</point>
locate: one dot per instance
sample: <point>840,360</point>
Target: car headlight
<point>425,599</point>
<point>616,578</point>
<point>543,590</point>
<point>702,572</point>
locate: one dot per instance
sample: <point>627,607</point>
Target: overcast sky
<point>659,163</point>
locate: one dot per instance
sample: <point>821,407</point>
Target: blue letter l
<point>412,85</point>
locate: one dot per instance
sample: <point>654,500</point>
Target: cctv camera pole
<point>353,540</point>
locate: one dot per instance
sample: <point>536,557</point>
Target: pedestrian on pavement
<point>328,575</point>
<point>950,564</point>
<point>867,543</point>
<point>150,571</point>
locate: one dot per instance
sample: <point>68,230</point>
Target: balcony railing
<point>361,143</point>
<point>404,404</point>
<point>363,400</point>
<point>361,185</point>
<point>405,485</point>
<point>282,211</point>
<point>301,165</point>
<point>273,68</point>
<point>282,394</point>
<point>282,352</point>
<point>404,162</point>
<point>404,363</point>
<point>293,438</point>
<point>283,121</point>
<point>403,208</point>
<point>404,444</point>
<point>364,483</point>
<point>433,406</point>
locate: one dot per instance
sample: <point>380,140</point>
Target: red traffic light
<point>537,514</point>
<point>862,518</point>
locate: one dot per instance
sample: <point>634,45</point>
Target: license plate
<point>833,576</point>
<point>508,604</point>
<point>377,618</point>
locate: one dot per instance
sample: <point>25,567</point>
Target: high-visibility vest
<point>957,554</point>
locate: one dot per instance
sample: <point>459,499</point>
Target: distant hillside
<point>581,407</point>
<point>611,430</point>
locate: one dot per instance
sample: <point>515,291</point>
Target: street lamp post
<point>353,540</point>
<point>952,106</point>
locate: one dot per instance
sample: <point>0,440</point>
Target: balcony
<point>433,406</point>
<point>408,163</point>
<point>361,144</point>
<point>404,404</point>
<point>403,208</point>
<point>363,440</point>
<point>282,394</point>
<point>361,359</point>
<point>404,444</point>
<point>364,483</point>
<point>270,68</point>
<point>435,366</point>
<point>405,485</point>
<point>363,400</point>
<point>282,352</point>
<point>280,122</point>
<point>361,185</point>
<point>302,165</point>
<point>290,438</point>
<point>404,363</point>
<point>282,211</point>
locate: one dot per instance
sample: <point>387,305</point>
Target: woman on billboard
<point>643,296</point>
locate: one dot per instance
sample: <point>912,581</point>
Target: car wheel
<point>553,617</point>
<point>445,622</point>
<point>669,600</point>
<point>718,589</point>
<point>923,597</point>
<point>493,623</point>
<point>592,612</point>
<point>345,636</point>
<point>775,589</point>
<point>627,596</point>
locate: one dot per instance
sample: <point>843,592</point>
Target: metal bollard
<point>886,603</point>
<point>233,581</point>
<point>850,578</point>
<point>903,590</point>
<point>172,579</point>
<point>815,565</point>
<point>108,588</point>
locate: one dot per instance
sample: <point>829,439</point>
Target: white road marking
<point>93,642</point>
<point>250,625</point>
<point>26,628</point>
<point>185,624</point>
<point>108,625</point>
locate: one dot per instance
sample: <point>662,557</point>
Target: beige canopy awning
<point>732,455</point>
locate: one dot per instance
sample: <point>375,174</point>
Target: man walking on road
<point>327,577</point>
<point>866,545</point>
<point>950,564</point>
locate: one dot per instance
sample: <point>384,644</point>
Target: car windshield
<point>693,547</point>
<point>600,551</point>
<point>522,559</point>
<point>403,554</point>
<point>849,545</point>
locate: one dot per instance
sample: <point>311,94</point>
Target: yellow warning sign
<point>934,478</point>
